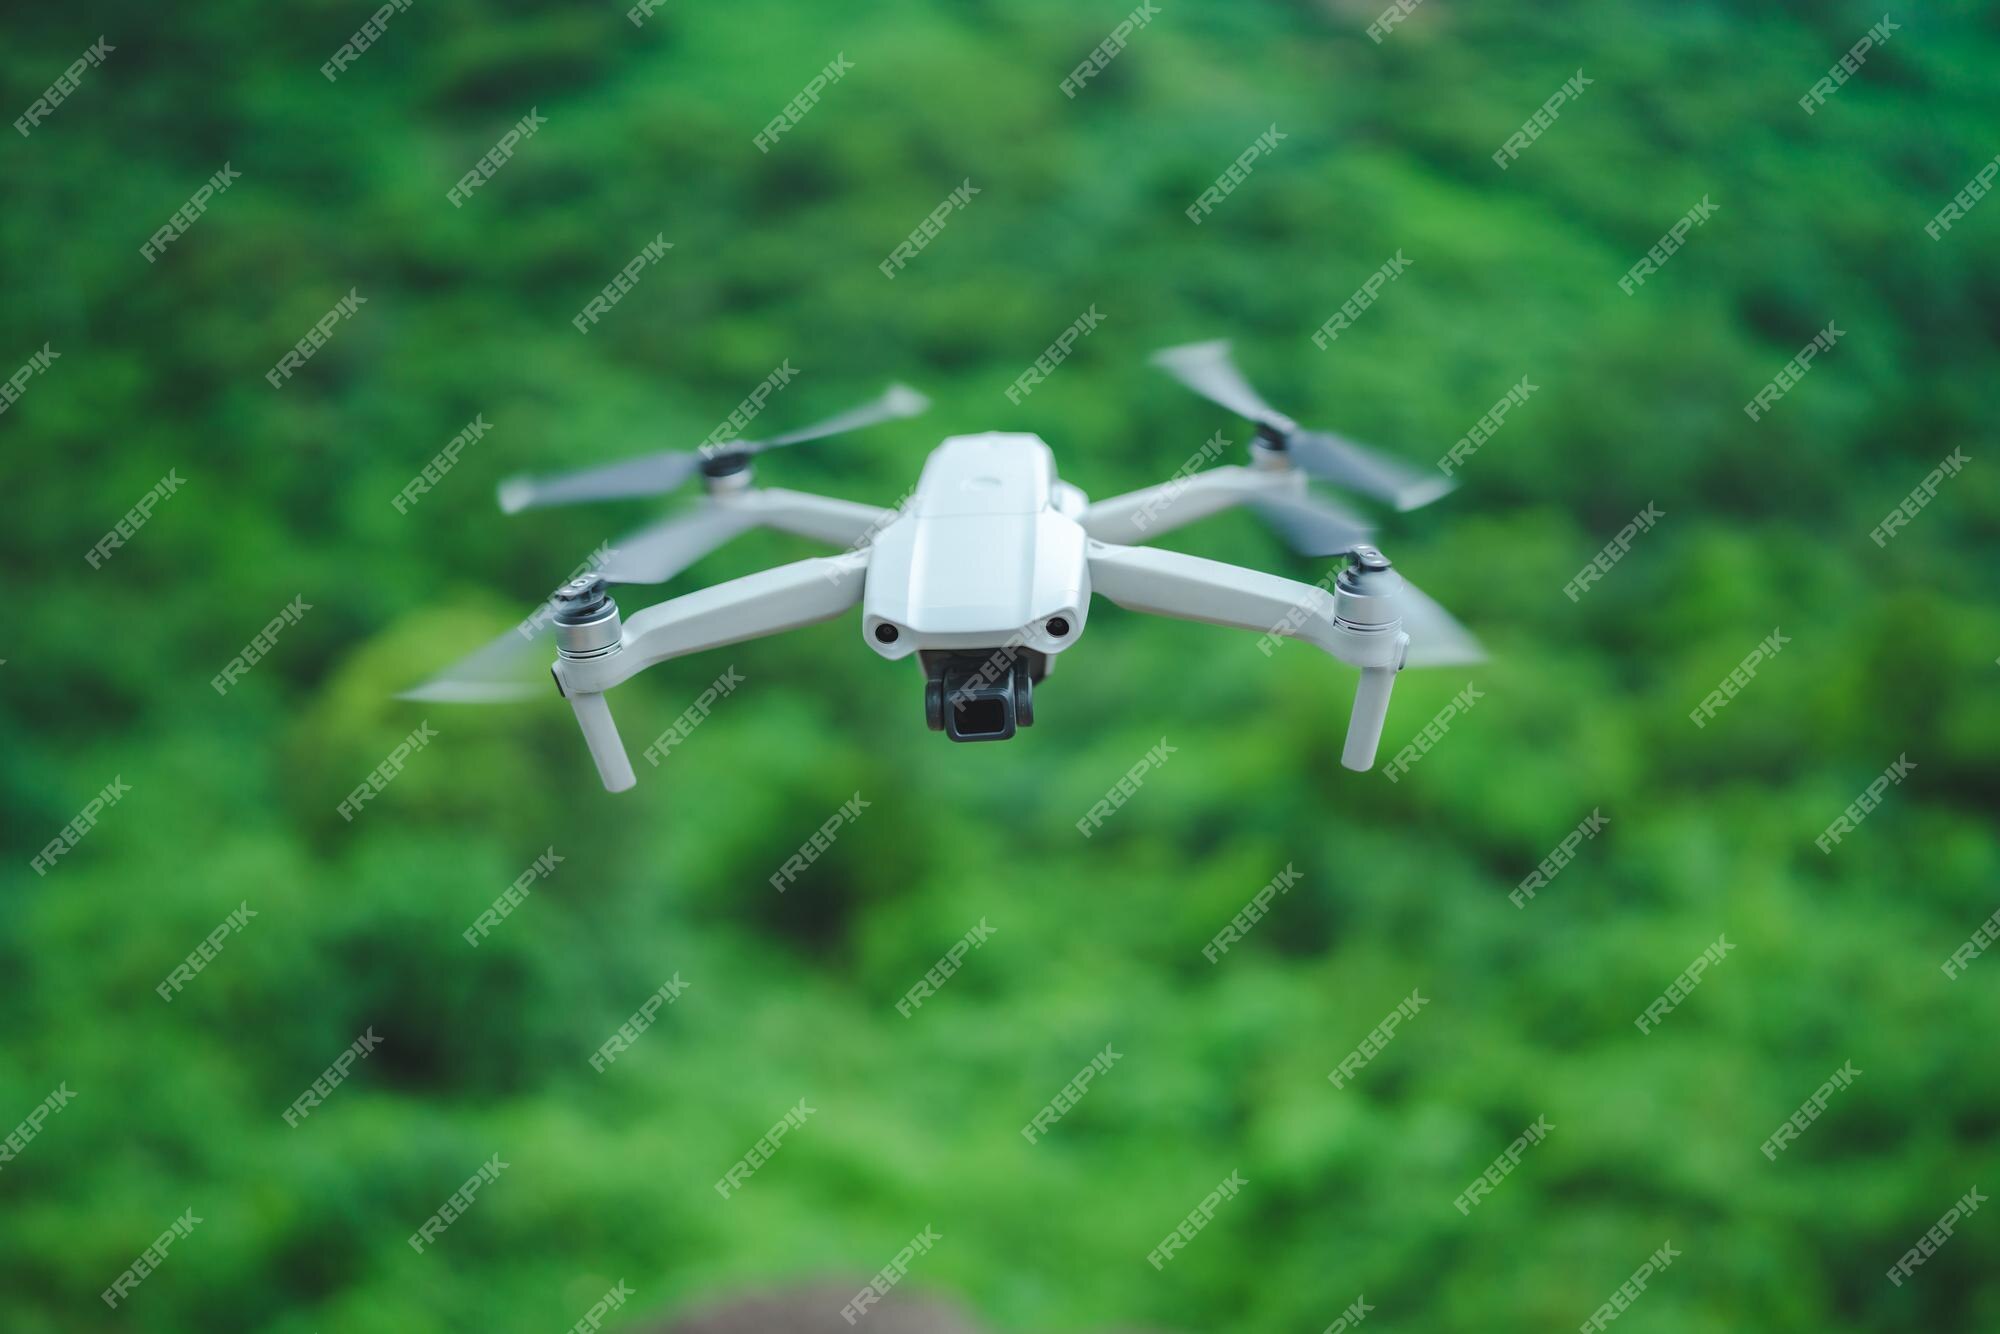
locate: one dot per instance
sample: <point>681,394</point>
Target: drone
<point>985,575</point>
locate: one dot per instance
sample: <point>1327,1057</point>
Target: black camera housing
<point>981,695</point>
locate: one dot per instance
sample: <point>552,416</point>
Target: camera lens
<point>1058,627</point>
<point>885,633</point>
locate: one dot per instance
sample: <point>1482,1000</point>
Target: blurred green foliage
<point>1224,1066</point>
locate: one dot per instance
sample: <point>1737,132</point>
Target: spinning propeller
<point>514,665</point>
<point>1208,369</point>
<point>657,474</point>
<point>508,668</point>
<point>1313,525</point>
<point>1436,637</point>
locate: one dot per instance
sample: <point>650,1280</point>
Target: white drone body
<point>986,575</point>
<point>988,552</point>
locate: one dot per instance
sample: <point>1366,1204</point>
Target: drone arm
<point>1140,516</point>
<point>752,607</point>
<point>841,523</point>
<point>1168,583</point>
<point>748,608</point>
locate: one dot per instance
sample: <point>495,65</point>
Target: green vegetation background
<point>1224,1067</point>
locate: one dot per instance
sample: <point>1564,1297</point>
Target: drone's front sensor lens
<point>885,633</point>
<point>1058,627</point>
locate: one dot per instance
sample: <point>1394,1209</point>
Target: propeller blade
<point>1208,369</point>
<point>657,553</point>
<point>647,475</point>
<point>506,669</point>
<point>1436,637</point>
<point>654,474</point>
<point>1311,525</point>
<point>898,400</point>
<point>514,666</point>
<point>1332,458</point>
